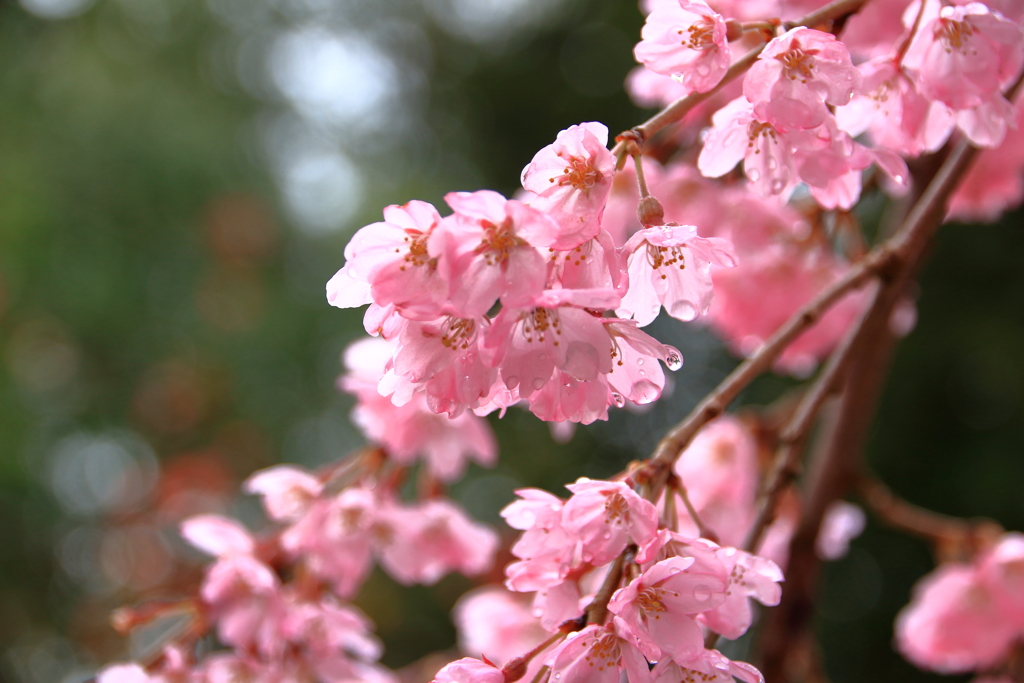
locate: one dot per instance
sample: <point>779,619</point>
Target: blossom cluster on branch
<point>539,300</point>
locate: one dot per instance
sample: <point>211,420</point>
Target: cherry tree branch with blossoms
<point>538,301</point>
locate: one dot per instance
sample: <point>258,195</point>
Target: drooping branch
<point>682,106</point>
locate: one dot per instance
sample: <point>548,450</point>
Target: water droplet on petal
<point>642,373</point>
<point>538,612</point>
<point>777,186</point>
<point>674,361</point>
<point>512,381</point>
<point>639,361</point>
<point>558,676</point>
<point>543,356</point>
<point>538,383</point>
<point>618,399</point>
<point>754,175</point>
<point>702,593</point>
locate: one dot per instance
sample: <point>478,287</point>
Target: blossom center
<point>539,322</point>
<point>758,131</point>
<point>953,34</point>
<point>458,333</point>
<point>416,253</point>
<point>649,601</point>
<point>498,242</point>
<point>665,257</point>
<point>604,652</point>
<point>616,509</point>
<point>701,35</point>
<point>580,173</point>
<point>798,63</point>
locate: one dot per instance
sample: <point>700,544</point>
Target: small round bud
<point>649,212</point>
<point>733,30</point>
<point>515,669</point>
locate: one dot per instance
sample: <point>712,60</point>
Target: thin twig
<point>794,433</point>
<point>597,610</point>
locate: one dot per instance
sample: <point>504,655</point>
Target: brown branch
<point>794,433</point>
<point>597,610</point>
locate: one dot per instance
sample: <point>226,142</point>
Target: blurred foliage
<point>160,302</point>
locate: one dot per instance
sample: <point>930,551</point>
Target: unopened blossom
<point>965,55</point>
<point>287,491</point>
<point>685,40</point>
<point>469,670</point>
<point>796,76</point>
<point>660,606</point>
<point>670,266</point>
<point>390,263</point>
<point>489,251</point>
<point>571,179</point>
<point>599,654</point>
<point>605,516</point>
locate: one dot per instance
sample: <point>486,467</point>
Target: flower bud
<point>649,212</point>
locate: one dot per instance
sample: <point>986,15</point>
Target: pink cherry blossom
<point>897,116</point>
<point>605,515</point>
<point>659,607</point>
<point>430,539</point>
<point>412,429</point>
<point>720,472</point>
<point>489,251</point>
<point>530,342</point>
<point>670,266</point>
<point>496,623</point>
<point>566,399</point>
<point>796,76</point>
<point>334,538</point>
<point>636,374</point>
<point>952,623</point>
<point>391,263</point>
<point>964,55</point>
<point>995,181</point>
<point>685,40</point>
<point>598,654</point>
<point>571,179</point>
<point>287,491</point>
<point>750,577</point>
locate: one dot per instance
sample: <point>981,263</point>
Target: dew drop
<point>543,356</point>
<point>538,612</point>
<point>642,373</point>
<point>754,175</point>
<point>607,535</point>
<point>674,361</point>
<point>558,676</point>
<point>772,164</point>
<point>702,593</point>
<point>618,399</point>
<point>538,382</point>
<point>777,186</point>
<point>512,381</point>
<point>639,361</point>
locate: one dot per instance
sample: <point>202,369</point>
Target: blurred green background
<point>178,180</point>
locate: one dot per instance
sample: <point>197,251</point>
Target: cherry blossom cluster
<point>967,616</point>
<point>566,340</point>
<point>277,600</point>
<point>674,588</point>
